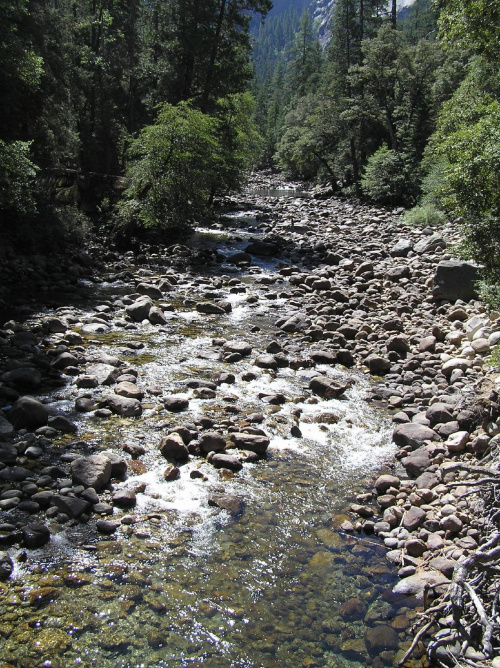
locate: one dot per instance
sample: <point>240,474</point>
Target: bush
<point>17,176</point>
<point>390,178</point>
<point>184,159</point>
<point>425,216</point>
<point>172,174</point>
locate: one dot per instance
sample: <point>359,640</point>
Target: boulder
<point>106,374</point>
<point>266,362</point>
<point>353,609</point>
<point>385,481</point>
<point>64,360</point>
<point>124,498</point>
<point>62,424</point>
<point>253,442</point>
<point>139,310</point>
<point>28,413</point>
<point>232,504</point>
<point>176,403</point>
<point>328,388</point>
<point>414,584</point>
<point>212,441</point>
<point>296,323</point>
<point>130,390</point>
<point>443,565</point>
<point>439,412</point>
<point>93,471</point>
<point>6,431</point>
<point>15,474</point>
<point>123,405</point>
<point>398,344</point>
<point>72,506</point>
<point>118,464</point>
<point>210,308</point>
<point>455,279</point>
<point>414,435</point>
<point>6,565</point>
<point>378,365</point>
<point>171,473</point>
<point>35,535</point>
<point>429,244</point>
<point>106,527</point>
<point>24,378</point>
<point>156,316</point>
<point>401,248</point>
<point>223,461</point>
<point>241,347</point>
<point>413,518</point>
<point>173,447</point>
<point>149,290</point>
<point>417,462</point>
<point>262,248</point>
<point>381,638</point>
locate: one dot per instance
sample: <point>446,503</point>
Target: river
<point>278,584</point>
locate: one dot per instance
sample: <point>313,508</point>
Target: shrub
<point>390,178</point>
<point>17,176</point>
<point>172,173</point>
<point>425,216</point>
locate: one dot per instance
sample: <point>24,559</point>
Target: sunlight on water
<point>182,583</point>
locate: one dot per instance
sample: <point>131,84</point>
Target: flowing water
<point>185,584</point>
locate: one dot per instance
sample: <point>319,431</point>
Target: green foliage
<point>390,178</point>
<point>239,143</point>
<point>426,215</point>
<point>466,147</point>
<point>172,173</point>
<point>186,157</point>
<point>475,24</point>
<point>17,175</point>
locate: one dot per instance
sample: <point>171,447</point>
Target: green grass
<point>425,216</point>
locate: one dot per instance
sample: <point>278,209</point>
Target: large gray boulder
<point>93,471</point>
<point>123,406</point>
<point>28,413</point>
<point>139,310</point>
<point>327,388</point>
<point>149,290</point>
<point>72,506</point>
<point>413,435</point>
<point>456,279</point>
<point>173,447</point>
<point>417,462</point>
<point>253,442</point>
<point>106,374</point>
<point>429,244</point>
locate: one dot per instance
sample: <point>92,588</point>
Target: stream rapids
<point>182,583</point>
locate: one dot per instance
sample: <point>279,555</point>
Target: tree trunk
<point>213,55</point>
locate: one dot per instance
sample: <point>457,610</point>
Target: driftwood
<point>472,598</point>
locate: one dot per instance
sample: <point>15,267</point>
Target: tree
<point>181,161</point>
<point>306,58</point>
<point>172,170</point>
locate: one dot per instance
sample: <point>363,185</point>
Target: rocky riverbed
<point>197,461</point>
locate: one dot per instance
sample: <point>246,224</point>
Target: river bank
<point>175,385</point>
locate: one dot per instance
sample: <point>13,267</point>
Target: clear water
<point>189,585</point>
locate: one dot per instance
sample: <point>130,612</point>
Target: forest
<point>139,114</point>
